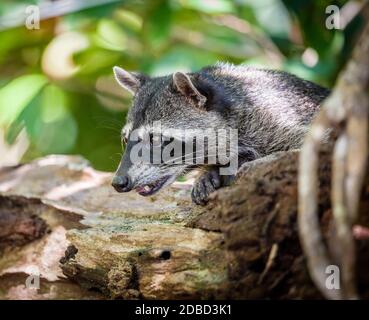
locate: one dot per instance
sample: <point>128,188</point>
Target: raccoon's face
<point>155,143</point>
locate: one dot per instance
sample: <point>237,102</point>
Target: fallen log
<point>242,245</point>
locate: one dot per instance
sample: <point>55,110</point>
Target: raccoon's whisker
<point>231,153</point>
<point>228,151</point>
<point>110,127</point>
<point>171,164</point>
<point>108,120</point>
<point>172,160</point>
<point>117,130</point>
<point>182,156</point>
<point>207,155</point>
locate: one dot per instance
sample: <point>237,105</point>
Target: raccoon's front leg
<point>207,183</point>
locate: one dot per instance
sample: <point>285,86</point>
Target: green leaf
<point>95,60</point>
<point>58,136</point>
<point>272,16</point>
<point>54,104</point>
<point>210,6</point>
<point>48,121</point>
<point>17,94</point>
<point>182,59</point>
<point>157,27</point>
<point>110,35</point>
<point>129,20</point>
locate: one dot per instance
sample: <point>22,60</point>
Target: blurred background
<point>57,92</point>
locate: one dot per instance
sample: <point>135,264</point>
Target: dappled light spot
<point>57,60</point>
<point>66,190</point>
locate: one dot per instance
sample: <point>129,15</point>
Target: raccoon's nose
<point>121,183</point>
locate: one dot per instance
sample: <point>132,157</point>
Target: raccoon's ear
<point>130,81</point>
<point>184,85</point>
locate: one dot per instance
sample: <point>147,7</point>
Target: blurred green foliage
<point>56,82</point>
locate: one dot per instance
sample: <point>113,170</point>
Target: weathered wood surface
<point>60,218</point>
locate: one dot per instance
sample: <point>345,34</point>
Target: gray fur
<point>272,111</point>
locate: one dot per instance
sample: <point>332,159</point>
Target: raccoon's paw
<point>204,185</point>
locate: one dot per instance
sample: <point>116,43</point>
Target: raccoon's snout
<point>122,183</point>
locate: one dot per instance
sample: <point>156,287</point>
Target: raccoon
<point>270,109</point>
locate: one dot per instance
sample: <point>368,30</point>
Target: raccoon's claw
<point>204,185</point>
